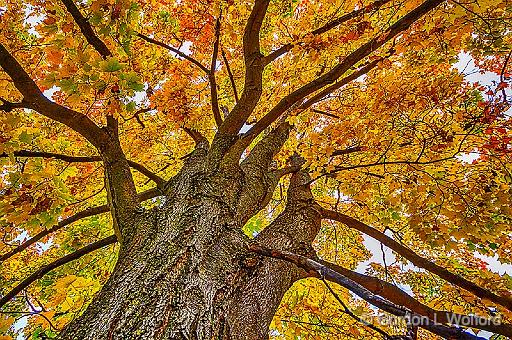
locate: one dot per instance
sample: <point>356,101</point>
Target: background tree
<point>216,169</point>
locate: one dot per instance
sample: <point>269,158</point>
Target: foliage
<point>411,147</point>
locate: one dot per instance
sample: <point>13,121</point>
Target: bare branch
<point>325,113</point>
<point>143,196</point>
<point>347,63</point>
<point>174,50</point>
<point>260,181</point>
<point>121,191</point>
<point>327,27</point>
<point>418,260</point>
<point>86,29</point>
<point>315,269</point>
<point>159,181</point>
<point>55,264</point>
<point>251,39</point>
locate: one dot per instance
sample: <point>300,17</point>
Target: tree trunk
<point>185,271</point>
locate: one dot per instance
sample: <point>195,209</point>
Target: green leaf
<point>132,81</point>
<point>68,85</point>
<point>25,137</point>
<point>111,65</point>
<point>493,246</point>
<point>130,107</point>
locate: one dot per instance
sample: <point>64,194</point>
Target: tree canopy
<point>408,157</point>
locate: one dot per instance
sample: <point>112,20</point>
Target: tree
<point>212,169</point>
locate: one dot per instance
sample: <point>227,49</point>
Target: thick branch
<point>264,151</point>
<point>327,27</point>
<point>260,180</point>
<point>211,76</point>
<point>339,84</point>
<point>55,264</point>
<point>347,151</point>
<point>34,99</point>
<point>122,195</point>
<point>401,298</point>
<point>121,192</point>
<point>7,106</point>
<point>251,39</point>
<point>85,159</point>
<point>253,71</point>
<point>418,260</point>
<point>143,196</point>
<point>318,270</point>
<point>347,311</point>
<point>255,130</point>
<point>300,221</point>
<point>86,29</point>
<point>195,135</point>
<point>174,50</point>
<point>348,62</point>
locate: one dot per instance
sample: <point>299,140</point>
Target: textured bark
<point>184,270</point>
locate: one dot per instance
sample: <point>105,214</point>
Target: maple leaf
<point>349,141</point>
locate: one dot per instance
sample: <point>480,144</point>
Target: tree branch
<point>230,74</point>
<point>368,165</point>
<point>253,71</point>
<point>260,181</point>
<point>347,151</point>
<point>174,50</point>
<point>121,192</point>
<point>195,135</point>
<point>7,106</point>
<point>86,29</point>
<point>85,159</point>
<point>55,264</point>
<point>211,75</point>
<point>299,223</point>
<point>418,260</point>
<point>318,270</point>
<point>347,311</point>
<point>327,27</point>
<point>339,84</point>
<point>34,99</point>
<point>401,298</point>
<point>159,181</point>
<point>348,62</point>
<point>143,196</point>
